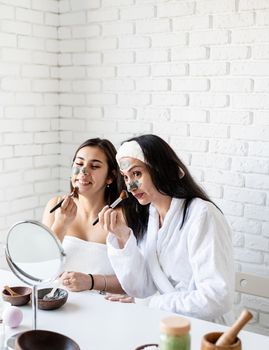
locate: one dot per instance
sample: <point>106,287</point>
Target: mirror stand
<point>34,305</point>
<point>35,256</point>
<point>10,343</point>
<point>34,290</point>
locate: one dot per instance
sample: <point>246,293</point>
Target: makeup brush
<point>228,337</point>
<point>74,193</point>
<point>123,195</point>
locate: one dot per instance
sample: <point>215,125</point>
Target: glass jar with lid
<point>175,333</point>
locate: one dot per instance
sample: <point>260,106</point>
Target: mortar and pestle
<point>227,340</point>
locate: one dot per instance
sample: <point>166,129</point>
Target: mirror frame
<point>22,275</point>
<point>27,278</point>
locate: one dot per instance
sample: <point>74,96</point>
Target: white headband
<point>130,149</point>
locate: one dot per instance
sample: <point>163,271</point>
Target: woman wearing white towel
<point>180,244</point>
<point>96,175</point>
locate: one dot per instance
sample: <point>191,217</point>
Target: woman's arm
<point>130,267</point>
<point>77,282</point>
<point>48,218</point>
<point>125,257</point>
<point>60,219</point>
<point>211,257</point>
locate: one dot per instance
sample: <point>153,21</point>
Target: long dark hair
<point>112,191</point>
<point>169,175</point>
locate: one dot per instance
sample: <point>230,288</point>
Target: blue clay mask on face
<point>79,169</point>
<point>132,186</point>
<point>83,170</point>
<point>75,171</point>
<point>124,164</point>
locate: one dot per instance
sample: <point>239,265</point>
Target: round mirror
<point>35,256</point>
<point>33,252</point>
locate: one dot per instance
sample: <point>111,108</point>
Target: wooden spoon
<point>11,292</point>
<point>228,337</point>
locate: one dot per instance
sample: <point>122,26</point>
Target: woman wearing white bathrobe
<point>180,249</point>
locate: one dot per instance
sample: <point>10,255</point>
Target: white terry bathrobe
<point>191,268</point>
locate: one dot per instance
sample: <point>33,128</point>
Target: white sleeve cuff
<point>113,245</point>
<point>154,301</point>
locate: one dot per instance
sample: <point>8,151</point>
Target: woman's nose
<point>84,170</point>
<point>132,186</point>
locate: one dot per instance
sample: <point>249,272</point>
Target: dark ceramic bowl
<point>17,300</point>
<point>44,340</point>
<point>148,346</point>
<point>59,299</point>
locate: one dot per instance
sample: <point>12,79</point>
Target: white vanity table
<point>97,324</point>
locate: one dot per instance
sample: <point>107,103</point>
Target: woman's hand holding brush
<point>123,195</point>
<point>113,221</point>
<point>74,193</point>
<point>64,216</point>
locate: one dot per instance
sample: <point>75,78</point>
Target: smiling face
<point>138,180</point>
<point>90,170</point>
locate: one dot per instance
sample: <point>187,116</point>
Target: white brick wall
<point>29,107</point>
<point>196,73</point>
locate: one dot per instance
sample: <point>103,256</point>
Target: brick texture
<point>195,72</point>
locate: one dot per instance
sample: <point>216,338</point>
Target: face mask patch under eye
<point>132,186</point>
<point>75,170</point>
<point>79,169</point>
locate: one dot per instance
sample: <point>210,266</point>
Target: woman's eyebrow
<point>91,160</point>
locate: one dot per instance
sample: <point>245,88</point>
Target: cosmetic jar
<point>175,333</point>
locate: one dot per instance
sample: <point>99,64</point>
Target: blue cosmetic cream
<point>75,170</point>
<point>79,169</point>
<point>124,164</point>
<point>132,186</point>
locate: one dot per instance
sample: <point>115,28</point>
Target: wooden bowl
<point>18,300</point>
<point>54,303</point>
<point>209,340</point>
<point>43,340</point>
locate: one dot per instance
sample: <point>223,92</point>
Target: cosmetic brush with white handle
<point>123,195</point>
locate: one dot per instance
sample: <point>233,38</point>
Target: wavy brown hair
<point>166,171</point>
